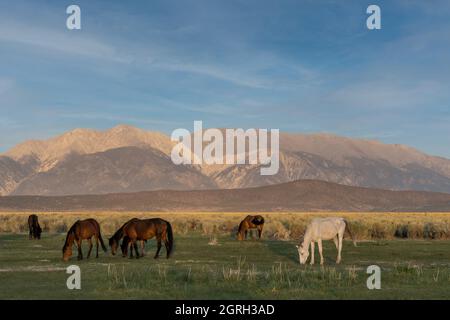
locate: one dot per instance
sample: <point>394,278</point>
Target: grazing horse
<point>142,230</point>
<point>250,222</point>
<point>323,229</point>
<point>80,230</point>
<point>35,228</point>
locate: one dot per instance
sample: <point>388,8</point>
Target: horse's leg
<point>312,253</point>
<point>90,247</point>
<point>245,234</point>
<point>260,228</point>
<point>341,236</point>
<point>96,239</point>
<point>130,248</point>
<point>31,232</point>
<point>80,253</point>
<point>319,242</point>
<point>142,248</point>
<point>136,250</point>
<point>336,242</point>
<point>158,239</point>
<point>134,245</point>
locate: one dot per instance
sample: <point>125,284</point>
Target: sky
<point>298,66</point>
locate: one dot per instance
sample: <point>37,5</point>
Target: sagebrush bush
<point>278,226</point>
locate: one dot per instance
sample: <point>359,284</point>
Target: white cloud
<point>63,41</point>
<point>387,94</point>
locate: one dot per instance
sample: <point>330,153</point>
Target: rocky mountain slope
<point>128,159</point>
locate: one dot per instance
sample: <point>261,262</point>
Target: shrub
<point>402,231</point>
<point>429,231</point>
<point>377,232</point>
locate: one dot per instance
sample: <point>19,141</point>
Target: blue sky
<point>300,66</point>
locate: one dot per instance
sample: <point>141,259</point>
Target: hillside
<point>303,195</point>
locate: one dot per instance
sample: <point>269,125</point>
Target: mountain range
<point>128,159</point>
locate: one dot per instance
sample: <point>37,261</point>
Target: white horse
<point>323,229</point>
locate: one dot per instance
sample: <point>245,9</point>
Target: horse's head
<point>303,253</point>
<point>113,243</point>
<point>67,252</point>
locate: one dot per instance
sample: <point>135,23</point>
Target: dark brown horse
<point>250,222</point>
<point>80,230</point>
<point>35,228</point>
<point>136,230</point>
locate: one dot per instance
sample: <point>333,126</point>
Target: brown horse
<point>142,230</point>
<point>250,222</point>
<point>80,230</point>
<point>35,228</point>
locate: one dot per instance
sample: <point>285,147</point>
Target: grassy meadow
<point>412,249</point>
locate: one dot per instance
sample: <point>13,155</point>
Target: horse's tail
<point>169,238</point>
<point>101,241</point>
<point>97,226</point>
<point>347,227</point>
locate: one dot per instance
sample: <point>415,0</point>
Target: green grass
<point>266,269</point>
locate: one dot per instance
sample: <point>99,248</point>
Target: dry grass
<point>281,226</point>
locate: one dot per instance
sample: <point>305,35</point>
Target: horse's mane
<point>69,233</point>
<point>118,234</point>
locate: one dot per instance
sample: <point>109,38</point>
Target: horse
<point>80,230</point>
<point>323,229</point>
<point>143,230</point>
<point>35,228</point>
<point>250,222</point>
